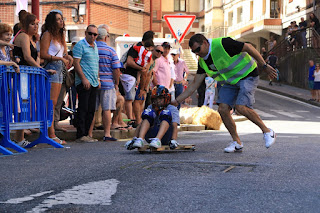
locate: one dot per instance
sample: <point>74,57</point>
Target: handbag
<point>69,77</point>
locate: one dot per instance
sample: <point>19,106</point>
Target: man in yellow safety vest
<point>234,65</point>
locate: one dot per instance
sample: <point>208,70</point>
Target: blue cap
<point>57,11</point>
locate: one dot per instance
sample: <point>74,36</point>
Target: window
<point>239,14</point>
<point>251,10</point>
<point>274,9</point>
<point>230,19</point>
<point>179,5</point>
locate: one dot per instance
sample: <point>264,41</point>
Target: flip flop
<point>121,128</point>
<point>128,127</point>
<point>58,140</point>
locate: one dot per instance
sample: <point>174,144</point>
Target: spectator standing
<point>211,85</point>
<point>5,59</point>
<point>303,26</point>
<point>181,71</point>
<point>264,53</point>
<point>217,57</point>
<point>272,60</point>
<point>162,68</point>
<point>25,51</point>
<point>53,49</point>
<point>314,22</point>
<point>316,86</point>
<point>5,37</point>
<point>141,91</point>
<point>109,72</point>
<point>86,63</point>
<point>311,80</point>
<point>271,43</point>
<point>134,65</point>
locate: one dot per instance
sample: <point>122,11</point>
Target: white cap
<point>75,39</point>
<point>174,51</point>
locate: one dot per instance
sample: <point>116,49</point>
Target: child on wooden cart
<point>159,124</point>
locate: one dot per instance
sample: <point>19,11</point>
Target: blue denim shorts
<point>311,84</point>
<point>241,93</point>
<point>137,95</point>
<point>57,66</point>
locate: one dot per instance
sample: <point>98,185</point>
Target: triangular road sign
<point>179,25</point>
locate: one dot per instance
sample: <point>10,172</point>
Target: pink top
<point>180,68</point>
<point>162,71</point>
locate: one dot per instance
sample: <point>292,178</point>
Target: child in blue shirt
<point>159,124</point>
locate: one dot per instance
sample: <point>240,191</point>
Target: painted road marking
<point>27,198</point>
<point>92,193</point>
<point>264,114</point>
<point>289,114</point>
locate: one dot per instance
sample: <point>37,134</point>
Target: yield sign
<point>179,25</point>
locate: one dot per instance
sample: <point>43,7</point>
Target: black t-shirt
<point>134,54</point>
<point>304,25</point>
<point>272,60</point>
<point>232,47</point>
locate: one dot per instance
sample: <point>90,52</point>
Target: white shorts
<point>107,99</point>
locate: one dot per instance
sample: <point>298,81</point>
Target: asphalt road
<point>104,177</point>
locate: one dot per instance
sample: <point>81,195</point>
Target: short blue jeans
<point>242,93</point>
<point>57,66</point>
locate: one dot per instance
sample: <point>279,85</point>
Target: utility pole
<point>35,8</point>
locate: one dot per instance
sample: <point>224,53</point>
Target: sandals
<point>120,128</point>
<point>59,141</point>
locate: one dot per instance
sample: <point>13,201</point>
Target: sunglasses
<point>91,33</point>
<point>173,54</point>
<point>159,51</point>
<point>197,49</point>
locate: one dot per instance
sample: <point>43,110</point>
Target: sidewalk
<point>288,91</point>
<point>285,90</point>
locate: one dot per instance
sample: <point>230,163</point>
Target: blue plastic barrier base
<point>44,139</point>
<point>5,142</point>
<point>5,151</point>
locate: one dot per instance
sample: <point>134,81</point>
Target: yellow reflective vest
<point>230,69</point>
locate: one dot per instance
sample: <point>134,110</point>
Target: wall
<point>294,67</point>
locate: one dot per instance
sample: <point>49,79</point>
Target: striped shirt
<point>144,56</point>
<point>89,61</point>
<point>108,61</point>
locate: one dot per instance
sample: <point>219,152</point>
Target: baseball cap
<point>75,39</point>
<point>174,51</point>
<point>166,45</point>
<point>57,11</point>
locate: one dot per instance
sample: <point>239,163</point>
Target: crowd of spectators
<point>101,80</point>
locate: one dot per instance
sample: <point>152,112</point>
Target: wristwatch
<point>265,66</point>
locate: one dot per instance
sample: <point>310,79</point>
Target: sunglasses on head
<point>197,49</point>
<point>159,51</point>
<point>91,33</point>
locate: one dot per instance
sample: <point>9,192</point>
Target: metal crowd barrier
<point>24,104</point>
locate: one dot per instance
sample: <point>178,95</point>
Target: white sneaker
<point>173,144</point>
<point>129,144</point>
<point>233,147</point>
<point>23,143</point>
<point>269,138</point>
<point>138,143</point>
<point>155,143</point>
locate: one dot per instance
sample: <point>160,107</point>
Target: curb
<point>289,95</point>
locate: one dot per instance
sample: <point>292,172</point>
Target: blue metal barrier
<point>24,104</point>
